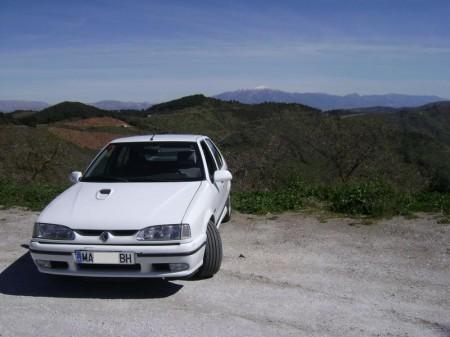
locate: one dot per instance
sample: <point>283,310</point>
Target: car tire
<point>227,216</point>
<point>212,258</point>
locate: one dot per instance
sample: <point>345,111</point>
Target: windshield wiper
<point>104,179</point>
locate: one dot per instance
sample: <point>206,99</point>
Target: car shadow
<point>22,278</point>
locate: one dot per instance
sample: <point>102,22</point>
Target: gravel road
<point>287,275</point>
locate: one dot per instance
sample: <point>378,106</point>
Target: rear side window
<point>210,163</point>
<point>216,153</point>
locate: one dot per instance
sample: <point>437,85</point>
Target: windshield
<point>147,161</point>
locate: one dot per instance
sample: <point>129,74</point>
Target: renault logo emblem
<point>104,236</point>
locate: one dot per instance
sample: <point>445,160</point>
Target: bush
<point>369,199</point>
<point>431,202</point>
<point>372,199</point>
<point>440,181</point>
<point>291,197</point>
<point>366,198</point>
<point>262,202</point>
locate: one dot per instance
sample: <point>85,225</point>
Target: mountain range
<point>14,105</point>
<point>326,101</point>
<point>119,105</point>
<point>320,101</point>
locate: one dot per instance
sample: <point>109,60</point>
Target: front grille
<point>95,232</point>
<point>110,267</point>
<point>123,232</point>
<point>89,232</point>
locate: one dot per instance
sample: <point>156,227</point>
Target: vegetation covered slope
<point>67,111</point>
<point>284,156</point>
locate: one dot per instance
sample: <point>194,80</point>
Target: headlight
<point>54,232</point>
<point>164,232</point>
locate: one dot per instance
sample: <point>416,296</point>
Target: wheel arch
<point>209,215</point>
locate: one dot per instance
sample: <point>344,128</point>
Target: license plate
<point>83,256</point>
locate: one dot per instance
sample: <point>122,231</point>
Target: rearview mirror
<point>222,175</point>
<point>75,177</point>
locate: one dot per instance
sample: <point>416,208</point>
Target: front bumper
<point>149,259</point>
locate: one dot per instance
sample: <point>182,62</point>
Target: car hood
<point>127,206</point>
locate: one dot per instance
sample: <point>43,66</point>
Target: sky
<point>159,50</point>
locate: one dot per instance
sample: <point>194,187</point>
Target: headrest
<point>184,156</point>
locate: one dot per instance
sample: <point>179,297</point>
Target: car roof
<point>159,138</point>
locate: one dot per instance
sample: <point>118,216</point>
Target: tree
<point>346,144</point>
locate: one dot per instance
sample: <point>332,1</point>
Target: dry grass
<point>93,140</point>
<point>97,122</point>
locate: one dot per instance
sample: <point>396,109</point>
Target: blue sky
<point>159,50</point>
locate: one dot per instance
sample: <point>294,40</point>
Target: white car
<point>147,206</point>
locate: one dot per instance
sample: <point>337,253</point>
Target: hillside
<point>64,110</point>
<point>265,143</point>
<point>268,146</point>
<point>192,101</point>
<point>68,110</point>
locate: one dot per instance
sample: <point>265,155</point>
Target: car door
<point>211,168</point>
<point>224,187</point>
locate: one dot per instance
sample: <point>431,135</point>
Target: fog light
<point>44,263</point>
<point>178,266</point>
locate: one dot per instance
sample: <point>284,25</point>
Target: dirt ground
<point>93,140</point>
<point>287,275</point>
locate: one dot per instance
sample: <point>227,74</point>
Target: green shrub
<point>369,199</point>
<point>289,197</point>
<point>362,199</point>
<point>431,202</point>
<point>262,202</point>
<point>33,196</point>
<point>365,198</point>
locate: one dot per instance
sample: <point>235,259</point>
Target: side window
<point>210,163</point>
<point>215,152</point>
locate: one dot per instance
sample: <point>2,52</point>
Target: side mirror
<point>75,177</point>
<point>222,175</point>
